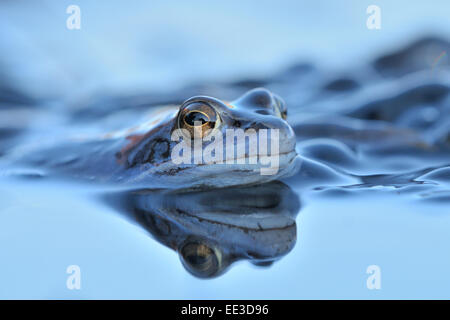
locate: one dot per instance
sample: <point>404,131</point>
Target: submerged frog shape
<point>212,229</point>
<point>142,154</point>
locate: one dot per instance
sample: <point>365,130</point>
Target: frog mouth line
<point>290,155</point>
<point>278,155</point>
<point>289,223</point>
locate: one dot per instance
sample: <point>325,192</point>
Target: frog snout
<point>284,133</point>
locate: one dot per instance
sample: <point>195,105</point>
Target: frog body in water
<point>141,155</point>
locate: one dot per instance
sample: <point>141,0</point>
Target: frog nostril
<point>281,106</point>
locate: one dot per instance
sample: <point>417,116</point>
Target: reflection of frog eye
<point>199,259</point>
<point>198,118</point>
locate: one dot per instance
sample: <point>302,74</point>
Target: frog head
<point>213,143</point>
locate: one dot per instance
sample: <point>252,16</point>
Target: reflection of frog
<point>212,229</point>
<point>141,154</point>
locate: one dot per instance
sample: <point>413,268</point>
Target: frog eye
<point>199,259</point>
<point>198,118</point>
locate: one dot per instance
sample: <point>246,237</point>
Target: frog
<point>141,153</point>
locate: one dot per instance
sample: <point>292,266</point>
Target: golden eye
<point>199,259</point>
<point>198,118</point>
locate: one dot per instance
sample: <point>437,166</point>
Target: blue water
<point>161,48</point>
<point>337,240</point>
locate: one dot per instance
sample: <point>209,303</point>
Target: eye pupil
<point>193,117</point>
